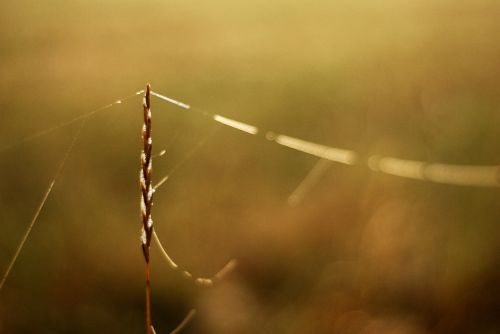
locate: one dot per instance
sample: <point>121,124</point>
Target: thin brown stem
<point>149,323</point>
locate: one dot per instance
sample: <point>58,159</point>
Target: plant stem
<point>149,323</point>
<point>147,201</point>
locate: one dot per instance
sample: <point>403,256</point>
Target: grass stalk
<point>147,201</point>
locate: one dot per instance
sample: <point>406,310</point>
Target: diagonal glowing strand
<point>321,151</point>
<point>188,156</point>
<point>397,167</point>
<point>236,125</point>
<point>250,129</point>
<point>167,257</point>
<point>187,319</point>
<point>159,154</point>
<point>464,175</point>
<point>25,236</point>
<point>309,181</point>
<point>201,281</point>
<point>161,182</point>
<point>168,99</point>
<point>42,203</point>
<point>66,123</point>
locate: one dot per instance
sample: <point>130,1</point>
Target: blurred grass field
<point>362,253</point>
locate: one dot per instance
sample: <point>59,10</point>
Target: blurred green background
<point>362,252</point>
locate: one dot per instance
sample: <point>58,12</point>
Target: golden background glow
<point>362,252</point>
